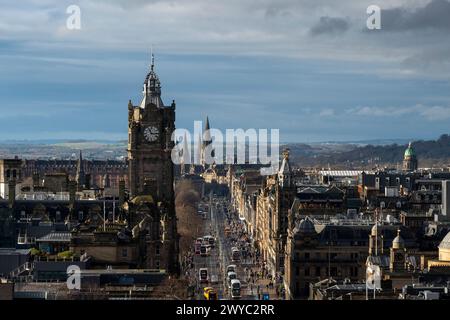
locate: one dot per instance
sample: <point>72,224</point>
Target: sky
<point>311,69</point>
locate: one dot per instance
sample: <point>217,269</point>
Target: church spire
<point>285,172</point>
<point>80,177</point>
<point>152,87</point>
<point>152,66</point>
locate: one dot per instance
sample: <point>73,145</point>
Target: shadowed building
<point>151,170</point>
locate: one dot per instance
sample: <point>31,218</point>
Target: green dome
<point>409,152</point>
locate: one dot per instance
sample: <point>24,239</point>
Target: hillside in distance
<point>429,153</point>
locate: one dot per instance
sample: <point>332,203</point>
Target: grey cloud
<point>435,15</point>
<point>330,25</point>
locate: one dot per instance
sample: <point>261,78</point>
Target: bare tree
<point>189,222</point>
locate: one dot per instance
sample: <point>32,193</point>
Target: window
<point>307,272</point>
<point>23,214</point>
<point>297,256</point>
<point>317,271</point>
<point>306,255</point>
<point>8,173</point>
<point>297,271</point>
<point>157,264</point>
<point>80,215</point>
<point>157,250</point>
<point>332,255</point>
<point>333,271</point>
<point>58,215</point>
<point>124,252</point>
<point>14,174</point>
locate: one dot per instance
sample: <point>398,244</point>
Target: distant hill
<point>428,153</point>
<point>333,154</point>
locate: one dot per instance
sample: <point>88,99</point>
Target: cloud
<point>433,16</point>
<point>326,113</point>
<point>330,25</point>
<point>430,113</point>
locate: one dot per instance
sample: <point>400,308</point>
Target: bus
<point>203,275</point>
<point>231,268</point>
<point>209,240</point>
<point>204,250</point>
<point>235,289</point>
<point>209,293</point>
<point>231,276</point>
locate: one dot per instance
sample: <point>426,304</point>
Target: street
<point>229,232</point>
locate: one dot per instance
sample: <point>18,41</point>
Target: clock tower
<point>150,127</point>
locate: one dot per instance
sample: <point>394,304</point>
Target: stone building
<point>272,206</point>
<point>316,252</point>
<point>151,170</point>
<point>11,176</point>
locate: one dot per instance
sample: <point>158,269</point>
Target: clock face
<point>151,134</point>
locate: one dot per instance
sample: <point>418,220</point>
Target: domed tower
<point>410,159</point>
<point>376,241</point>
<point>398,253</point>
<point>444,248</point>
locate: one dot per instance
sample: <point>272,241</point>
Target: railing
<point>16,273</point>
